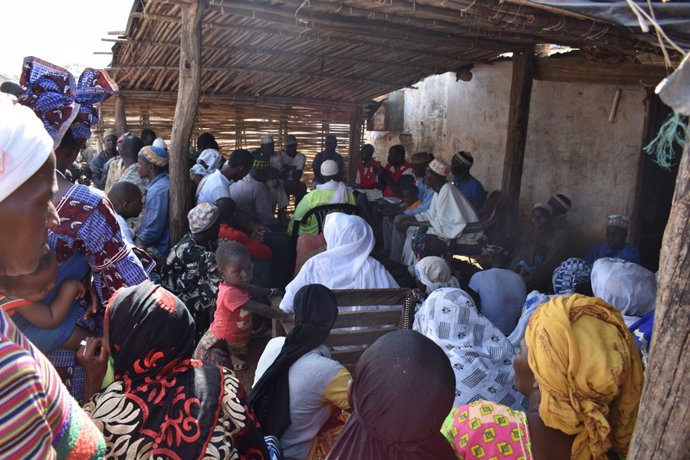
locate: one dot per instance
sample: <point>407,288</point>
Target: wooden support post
<point>185,113</point>
<point>518,116</point>
<point>239,128</point>
<point>662,428</point>
<point>120,116</point>
<point>355,142</point>
<point>283,129</point>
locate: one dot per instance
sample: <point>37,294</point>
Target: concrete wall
<point>571,146</point>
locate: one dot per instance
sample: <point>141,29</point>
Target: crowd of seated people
<point>536,354</point>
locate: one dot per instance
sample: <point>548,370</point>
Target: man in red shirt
<point>397,173</point>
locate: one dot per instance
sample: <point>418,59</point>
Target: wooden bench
<point>374,323</point>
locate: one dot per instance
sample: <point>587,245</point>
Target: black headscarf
<point>315,313</point>
<point>403,389</point>
<point>151,338</point>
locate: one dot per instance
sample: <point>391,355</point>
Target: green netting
<point>672,133</point>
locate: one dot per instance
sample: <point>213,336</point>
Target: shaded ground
<point>256,347</point>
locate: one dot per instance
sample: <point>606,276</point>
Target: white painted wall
<point>571,146</point>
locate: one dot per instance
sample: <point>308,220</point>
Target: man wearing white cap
<point>32,397</point>
<point>445,220</point>
<point>333,191</point>
<point>615,245</point>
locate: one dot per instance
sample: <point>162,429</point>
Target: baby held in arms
<point>26,301</point>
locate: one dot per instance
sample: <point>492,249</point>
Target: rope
<point>671,134</point>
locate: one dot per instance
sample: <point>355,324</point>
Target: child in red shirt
<point>231,327</point>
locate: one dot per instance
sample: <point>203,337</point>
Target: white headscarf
<point>481,355</point>
<point>345,264</point>
<point>434,273</point>
<point>629,287</point>
<point>211,158</point>
<point>199,169</point>
<point>340,189</point>
<point>25,145</point>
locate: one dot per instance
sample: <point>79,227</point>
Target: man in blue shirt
<point>465,182</point>
<point>615,246</point>
<point>153,233</point>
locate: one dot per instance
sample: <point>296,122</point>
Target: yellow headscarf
<point>589,373</point>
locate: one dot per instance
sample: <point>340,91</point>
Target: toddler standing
<point>231,327</point>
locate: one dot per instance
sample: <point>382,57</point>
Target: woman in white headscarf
<point>481,355</point>
<point>431,273</point>
<point>209,159</point>
<point>627,286</point>
<point>345,264</point>
<point>434,273</point>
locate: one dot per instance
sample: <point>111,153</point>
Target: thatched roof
<point>322,51</point>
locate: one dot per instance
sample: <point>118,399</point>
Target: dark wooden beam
<point>578,70</point>
<point>253,49</point>
<point>393,84</point>
<point>171,97</point>
<point>413,49</point>
<point>185,114</point>
<point>355,142</point>
<point>518,117</point>
<point>369,28</point>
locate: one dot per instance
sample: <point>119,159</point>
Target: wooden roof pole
<point>355,142</point>
<point>661,430</point>
<point>185,114</point>
<point>120,115</point>
<point>518,116</point>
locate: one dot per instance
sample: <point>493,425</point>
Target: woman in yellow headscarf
<point>582,373</point>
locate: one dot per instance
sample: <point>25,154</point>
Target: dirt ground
<point>256,347</point>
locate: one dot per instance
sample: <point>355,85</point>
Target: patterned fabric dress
<point>39,419</point>
<point>88,224</point>
<point>481,355</point>
<point>190,272</point>
<point>484,429</point>
<point>163,404</point>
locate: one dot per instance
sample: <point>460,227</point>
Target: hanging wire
<point>672,133</point>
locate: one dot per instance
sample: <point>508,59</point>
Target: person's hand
<point>93,358</point>
<point>403,224</point>
<point>391,211</point>
<point>275,292</point>
<point>259,232</point>
<point>94,304</point>
<point>81,290</point>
